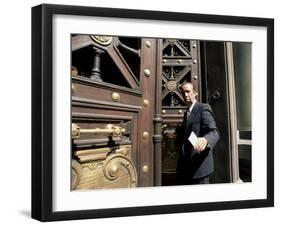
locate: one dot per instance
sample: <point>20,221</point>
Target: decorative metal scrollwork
<point>177,68</point>
<point>103,168</point>
<point>118,166</point>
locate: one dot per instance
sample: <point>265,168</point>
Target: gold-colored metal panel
<point>106,168</point>
<point>76,172</point>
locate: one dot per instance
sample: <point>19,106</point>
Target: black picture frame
<point>42,107</point>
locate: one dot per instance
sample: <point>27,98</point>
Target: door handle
<point>110,129</point>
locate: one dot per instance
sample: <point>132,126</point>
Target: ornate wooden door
<point>113,81</point>
<point>127,106</point>
<point>180,62</point>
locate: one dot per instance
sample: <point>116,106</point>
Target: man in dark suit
<point>195,163</point>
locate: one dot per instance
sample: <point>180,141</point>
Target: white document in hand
<point>193,138</point>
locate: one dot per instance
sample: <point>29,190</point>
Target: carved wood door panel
<point>113,81</point>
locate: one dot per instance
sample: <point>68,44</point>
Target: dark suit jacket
<point>201,121</point>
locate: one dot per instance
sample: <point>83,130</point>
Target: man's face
<point>188,93</point>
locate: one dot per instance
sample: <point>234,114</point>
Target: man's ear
<point>196,94</point>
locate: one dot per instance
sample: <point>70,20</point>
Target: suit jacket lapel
<point>193,113</point>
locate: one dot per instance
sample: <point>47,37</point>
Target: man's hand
<point>201,144</point>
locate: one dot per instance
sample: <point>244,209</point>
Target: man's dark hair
<point>184,83</point>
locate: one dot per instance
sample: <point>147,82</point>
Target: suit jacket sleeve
<point>209,128</point>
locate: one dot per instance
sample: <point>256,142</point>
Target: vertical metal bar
<point>232,117</point>
<point>157,137</point>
